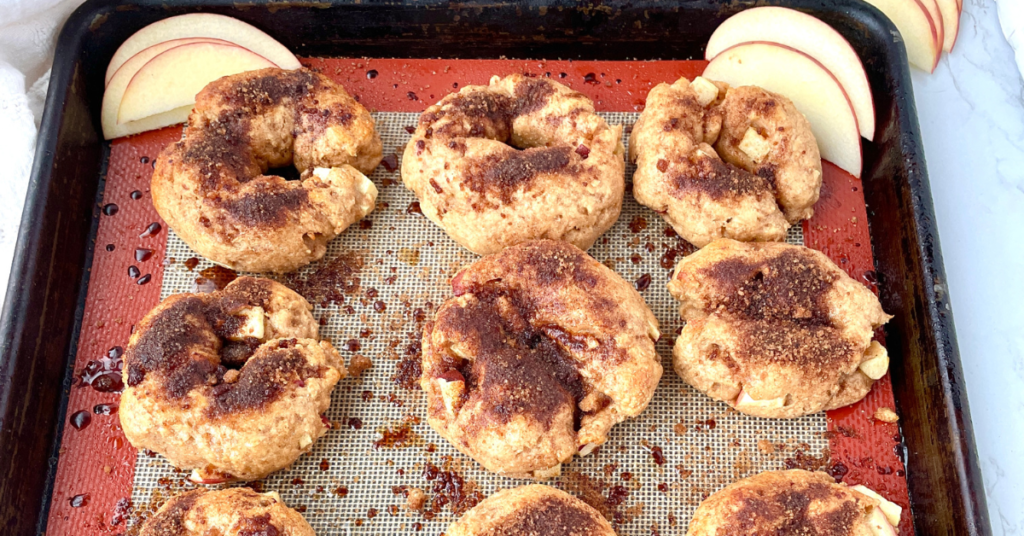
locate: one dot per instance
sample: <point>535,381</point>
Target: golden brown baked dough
<point>541,351</point>
<point>789,503</point>
<point>520,159</point>
<point>210,188</point>
<point>534,510</point>
<point>762,174</point>
<point>775,330</point>
<point>226,512</point>
<point>244,422</point>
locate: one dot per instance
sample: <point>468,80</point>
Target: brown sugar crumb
<point>231,376</point>
<point>606,498</point>
<point>808,462</point>
<point>359,364</point>
<point>416,499</point>
<point>680,428</point>
<point>886,414</point>
<point>766,446</point>
<point>332,282</point>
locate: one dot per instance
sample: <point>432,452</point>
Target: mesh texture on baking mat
<point>347,486</point>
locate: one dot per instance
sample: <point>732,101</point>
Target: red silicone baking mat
<point>93,491</point>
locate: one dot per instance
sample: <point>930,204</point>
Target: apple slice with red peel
<point>814,90</point>
<point>203,25</point>
<point>920,34</point>
<point>171,79</point>
<point>114,92</point>
<point>940,27</point>
<point>809,35</point>
<point>950,22</point>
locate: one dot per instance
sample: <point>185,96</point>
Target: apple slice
<point>203,25</point>
<point>176,116</point>
<point>813,89</point>
<point>173,78</point>
<point>919,32</point>
<point>950,22</point>
<point>119,82</point>
<point>940,28</point>
<point>809,35</point>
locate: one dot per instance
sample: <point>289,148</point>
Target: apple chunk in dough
<point>889,509</point>
<point>813,89</point>
<point>876,361</point>
<point>744,400</point>
<point>950,22</point>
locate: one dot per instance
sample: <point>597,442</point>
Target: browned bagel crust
<point>784,503</point>
<point>694,169</point>
<point>533,510</point>
<point>181,399</point>
<point>227,512</point>
<point>541,351</point>
<point>520,159</point>
<point>210,188</point>
<point>776,321</point>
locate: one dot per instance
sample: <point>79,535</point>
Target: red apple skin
<point>167,45</point>
<point>950,22</point>
<point>932,8</point>
<point>204,25</point>
<point>809,35</point>
<point>934,44</point>
<point>172,57</point>
<point>856,170</point>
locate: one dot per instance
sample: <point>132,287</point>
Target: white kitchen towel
<point>28,35</point>
<point>1011,18</point>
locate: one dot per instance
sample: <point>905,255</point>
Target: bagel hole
<point>288,173</point>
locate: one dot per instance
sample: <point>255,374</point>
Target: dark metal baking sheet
<point>45,298</point>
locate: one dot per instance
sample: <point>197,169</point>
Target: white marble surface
<point>971,111</point>
<point>972,117</point>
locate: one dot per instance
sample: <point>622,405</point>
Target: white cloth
<point>28,35</point>
<point>1011,19</point>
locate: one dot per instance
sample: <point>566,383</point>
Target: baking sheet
<point>355,481</point>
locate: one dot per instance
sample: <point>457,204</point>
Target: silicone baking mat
<point>382,469</point>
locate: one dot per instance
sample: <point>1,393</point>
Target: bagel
<point>520,159</point>
<point>717,161</point>
<point>793,503</point>
<point>210,189</point>
<point>541,351</point>
<point>183,401</point>
<point>534,510</point>
<point>226,512</point>
<point>775,330</point>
